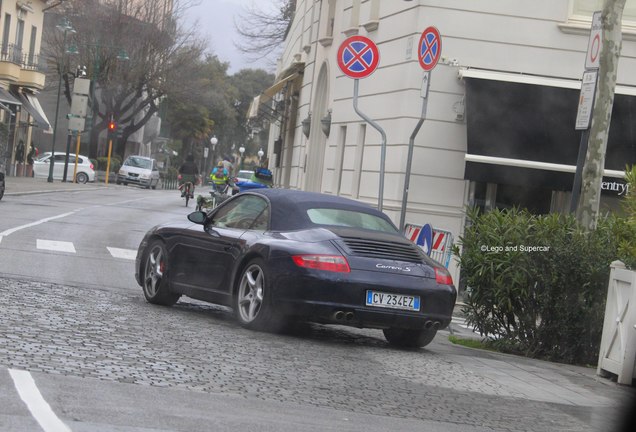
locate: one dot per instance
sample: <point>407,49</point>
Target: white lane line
<point>129,254</point>
<point>53,245</point>
<point>29,225</point>
<point>33,399</point>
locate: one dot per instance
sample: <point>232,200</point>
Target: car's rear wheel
<point>409,338</point>
<point>81,178</point>
<point>253,302</point>
<point>155,275</point>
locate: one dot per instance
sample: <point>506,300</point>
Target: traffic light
<point>112,126</point>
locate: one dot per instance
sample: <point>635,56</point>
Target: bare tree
<point>263,31</point>
<point>135,54</point>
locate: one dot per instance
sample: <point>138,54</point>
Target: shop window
<point>488,196</point>
<point>535,200</point>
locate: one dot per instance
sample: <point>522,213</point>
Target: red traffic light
<point>112,126</point>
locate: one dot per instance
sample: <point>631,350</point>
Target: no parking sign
<point>358,57</point>
<point>430,48</point>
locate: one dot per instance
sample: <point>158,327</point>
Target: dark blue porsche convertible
<point>276,255</point>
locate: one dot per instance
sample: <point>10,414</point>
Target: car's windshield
<point>138,162</point>
<point>348,218</point>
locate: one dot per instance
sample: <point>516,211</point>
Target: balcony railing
<point>12,54</point>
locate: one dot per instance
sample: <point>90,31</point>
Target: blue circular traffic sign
<point>425,239</point>
<point>430,48</point>
<point>358,57</point>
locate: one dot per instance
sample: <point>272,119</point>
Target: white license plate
<point>393,301</point>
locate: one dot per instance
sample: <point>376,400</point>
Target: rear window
<point>348,218</point>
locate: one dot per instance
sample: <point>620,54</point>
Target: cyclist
<point>220,177</point>
<point>188,172</point>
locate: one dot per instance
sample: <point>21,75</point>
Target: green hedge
<point>115,163</point>
<point>537,284</point>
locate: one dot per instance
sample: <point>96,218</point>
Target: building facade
<point>499,126</point>
<point>21,78</point>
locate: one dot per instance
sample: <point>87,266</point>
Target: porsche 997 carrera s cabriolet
<point>277,256</point>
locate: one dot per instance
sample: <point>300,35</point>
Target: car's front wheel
<point>155,275</point>
<point>253,302</point>
<point>409,338</point>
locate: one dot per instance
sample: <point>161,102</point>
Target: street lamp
<point>260,154</point>
<point>241,151</point>
<point>214,141</point>
<point>66,27</point>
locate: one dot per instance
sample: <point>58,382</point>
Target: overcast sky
<point>216,24</point>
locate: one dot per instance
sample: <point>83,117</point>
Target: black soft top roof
<point>289,207</point>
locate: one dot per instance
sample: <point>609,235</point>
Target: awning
<point>44,121</point>
<point>33,107</point>
<point>535,80</point>
<point>262,104</point>
<point>521,131</point>
<point>7,98</point>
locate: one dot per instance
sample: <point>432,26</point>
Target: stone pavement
<point>577,391</point>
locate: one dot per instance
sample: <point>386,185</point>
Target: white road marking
<point>58,246</point>
<point>33,399</point>
<point>129,254</point>
<point>29,225</point>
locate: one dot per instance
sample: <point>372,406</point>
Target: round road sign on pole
<point>430,48</point>
<point>358,57</point>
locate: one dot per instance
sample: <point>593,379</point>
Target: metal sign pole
<point>409,158</point>
<point>379,129</point>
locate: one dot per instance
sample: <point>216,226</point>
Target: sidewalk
<point>31,185</point>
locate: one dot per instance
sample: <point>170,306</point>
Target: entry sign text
<point>358,57</point>
<point>586,100</point>
<point>592,58</point>
<point>430,48</point>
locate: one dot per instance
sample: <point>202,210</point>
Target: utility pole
<point>588,207</point>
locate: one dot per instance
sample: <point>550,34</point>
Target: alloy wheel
<point>153,272</point>
<point>251,293</point>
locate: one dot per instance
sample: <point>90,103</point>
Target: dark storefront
<point>530,124</point>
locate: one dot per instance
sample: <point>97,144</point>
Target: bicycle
<point>216,198</point>
<point>187,188</point>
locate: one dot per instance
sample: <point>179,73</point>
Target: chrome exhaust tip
<point>338,315</point>
<point>349,316</point>
<point>436,325</point>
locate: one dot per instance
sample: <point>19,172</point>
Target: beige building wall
<point>543,38</point>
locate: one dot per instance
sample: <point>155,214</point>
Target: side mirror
<point>197,217</point>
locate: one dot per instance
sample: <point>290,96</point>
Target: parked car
<point>277,255</point>
<point>139,170</point>
<point>85,168</point>
<point>1,185</point>
<point>244,175</point>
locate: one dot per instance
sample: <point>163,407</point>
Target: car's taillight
<point>334,263</point>
<point>442,276</point>
<point>92,167</point>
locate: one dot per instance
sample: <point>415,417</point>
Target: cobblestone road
<point>87,332</point>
